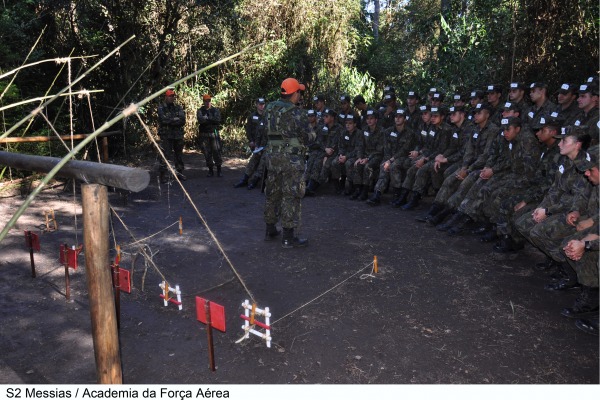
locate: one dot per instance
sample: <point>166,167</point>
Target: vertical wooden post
<point>99,284</point>
<point>209,335</point>
<point>104,149</point>
<point>30,241</point>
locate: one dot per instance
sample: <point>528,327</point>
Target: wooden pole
<point>99,284</point>
<point>36,139</point>
<point>209,336</point>
<point>30,239</point>
<point>133,179</point>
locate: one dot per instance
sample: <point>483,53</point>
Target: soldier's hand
<point>486,173</point>
<point>574,249</point>
<point>342,159</point>
<point>462,174</point>
<point>420,162</point>
<point>519,205</point>
<point>386,166</point>
<point>572,217</point>
<point>413,154</point>
<point>586,223</point>
<point>539,214</point>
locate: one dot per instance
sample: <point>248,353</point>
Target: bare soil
<point>441,309</point>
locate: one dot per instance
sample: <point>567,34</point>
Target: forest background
<point>351,46</point>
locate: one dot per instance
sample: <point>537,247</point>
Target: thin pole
<point>99,283</point>
<point>209,335</point>
<point>30,239</point>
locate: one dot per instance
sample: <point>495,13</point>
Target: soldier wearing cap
<point>476,97</point>
<point>564,203</point>
<point>413,114</point>
<point>426,169</point>
<point>288,131</point>
<point>475,161</point>
<point>319,107</point>
<point>525,200</point>
<point>361,107</point>
<point>398,141</point>
<point>209,121</point>
<point>343,163</point>
<point>494,97</point>
<point>171,119</point>
<point>538,93</point>
<point>345,108</point>
<point>567,103</point>
<point>437,99</point>
<point>581,251</point>
<point>369,154</point>
<point>450,163</point>
<point>319,162</point>
<point>516,95</point>
<point>257,139</point>
<point>386,119</point>
<point>588,104</point>
<point>514,169</point>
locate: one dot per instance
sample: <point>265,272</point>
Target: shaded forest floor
<point>441,309</point>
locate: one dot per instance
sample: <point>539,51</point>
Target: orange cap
<point>291,85</point>
<point>170,92</point>
<point>206,97</point>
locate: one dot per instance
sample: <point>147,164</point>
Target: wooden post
<point>99,284</point>
<point>209,335</point>
<point>30,238</point>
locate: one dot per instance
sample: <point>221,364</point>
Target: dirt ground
<point>441,309</point>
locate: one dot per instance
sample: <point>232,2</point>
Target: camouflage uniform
<point>171,119</point>
<point>531,195</point>
<point>255,134</point>
<point>475,158</point>
<point>570,191</point>
<point>316,152</point>
<point>208,134</point>
<point>347,146</point>
<point>330,140</point>
<point>587,267</point>
<point>397,145</point>
<point>288,130</point>
<point>444,143</point>
<point>535,113</point>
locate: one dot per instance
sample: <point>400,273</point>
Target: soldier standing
<point>171,119</point>
<point>209,120</point>
<point>288,131</point>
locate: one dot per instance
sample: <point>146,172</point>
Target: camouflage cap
<point>401,112</point>
<point>319,97</point>
<point>372,113</point>
<point>438,96</point>
<point>552,119</point>
<point>477,94</point>
<point>577,131</point>
<point>518,85</point>
<point>329,111</point>
<point>589,88</point>
<point>510,121</point>
<point>538,85</point>
<point>344,98</point>
<point>567,87</point>
<point>482,106</point>
<point>311,113</point>
<point>412,93</point>
<point>494,88</point>
<point>438,111</point>
<point>587,159</point>
<point>510,106</point>
<point>454,109</point>
<point>425,108</point>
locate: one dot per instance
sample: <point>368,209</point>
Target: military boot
<point>589,325</point>
<point>211,172</point>
<point>433,210</point>
<point>340,185</point>
<point>242,182</point>
<point>375,200</point>
<point>357,191</point>
<point>364,193</point>
<point>219,172</point>
<point>271,233</point>
<point>507,245</point>
<point>460,225</point>
<point>349,190</point>
<point>396,195</point>
<point>440,216</point>
<point>311,188</point>
<point>585,304</point>
<point>414,201</point>
<point>253,182</point>
<point>289,241</point>
<point>402,197</point>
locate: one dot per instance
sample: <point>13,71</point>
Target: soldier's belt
<point>287,149</point>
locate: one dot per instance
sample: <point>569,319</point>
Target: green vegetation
<point>329,45</point>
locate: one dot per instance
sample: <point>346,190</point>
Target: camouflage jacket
<point>287,122</point>
<point>518,157</point>
<point>479,145</point>
<point>349,143</point>
<point>397,144</point>
<point>371,145</point>
<point>171,119</point>
<point>459,138</point>
<point>213,121</point>
<point>535,113</point>
<point>544,174</point>
<point>570,190</point>
<point>437,141</point>
<point>329,137</point>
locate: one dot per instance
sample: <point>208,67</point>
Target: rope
<point>323,294</point>
<point>148,237</point>
<point>210,232</point>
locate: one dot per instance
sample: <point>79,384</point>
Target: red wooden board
<point>32,240</point>
<point>71,260</point>
<point>124,280</point>
<point>217,313</point>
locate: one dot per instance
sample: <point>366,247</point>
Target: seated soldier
<point>343,162</point>
<point>369,154</point>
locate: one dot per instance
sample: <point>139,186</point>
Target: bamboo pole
<point>99,283</point>
<point>35,139</point>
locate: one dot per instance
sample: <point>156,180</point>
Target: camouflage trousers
<point>173,150</point>
<point>342,169</point>
<point>549,234</point>
<point>314,165</point>
<point>211,149</point>
<point>365,174</point>
<point>587,267</point>
<point>383,179</point>
<point>398,172</point>
<point>449,186</point>
<point>506,216</point>
<point>326,169</point>
<point>284,189</point>
<point>254,165</point>
<point>463,189</point>
<point>479,197</point>
<point>427,175</point>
